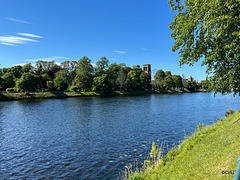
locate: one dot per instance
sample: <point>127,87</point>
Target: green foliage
<point>199,127</point>
<point>84,81</point>
<point>229,113</point>
<point>206,84</point>
<point>27,68</point>
<point>112,73</point>
<point>102,65</point>
<point>60,80</point>
<point>177,79</point>
<point>133,80</point>
<point>168,73</point>
<point>28,82</point>
<point>145,80</point>
<point>159,75</point>
<point>138,70</point>
<point>50,86</point>
<point>85,65</point>
<point>8,80</point>
<point>11,89</point>
<point>168,82</point>
<point>102,84</point>
<point>154,151</point>
<point>191,86</point>
<point>73,88</point>
<point>16,71</point>
<point>209,30</point>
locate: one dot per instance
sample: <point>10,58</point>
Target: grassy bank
<point>204,155</point>
<point>52,95</point>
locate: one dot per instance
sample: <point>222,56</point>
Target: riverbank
<point>62,94</point>
<point>210,153</point>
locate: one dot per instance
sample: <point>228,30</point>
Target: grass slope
<point>204,155</point>
<point>56,94</point>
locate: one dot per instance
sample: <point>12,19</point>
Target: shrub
<point>229,113</point>
<point>73,88</point>
<point>200,127</point>
<point>10,90</point>
<point>50,86</point>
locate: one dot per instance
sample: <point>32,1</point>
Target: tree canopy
<point>208,30</point>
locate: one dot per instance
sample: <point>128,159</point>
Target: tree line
<point>83,76</point>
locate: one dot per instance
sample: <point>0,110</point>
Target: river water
<point>95,138</point>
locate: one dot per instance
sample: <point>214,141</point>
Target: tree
<point>44,78</point>
<point>60,80</point>
<point>28,82</point>
<point>102,65</point>
<point>16,71</point>
<point>159,75</point>
<point>177,79</point>
<point>8,80</point>
<point>205,84</point>
<point>145,80</point>
<point>133,80</point>
<point>168,82</point>
<point>102,84</point>
<point>191,86</point>
<point>121,79</point>
<point>85,64</point>
<point>209,30</point>
<point>27,68</point>
<point>168,73</point>
<point>84,81</point>
<point>112,73</point>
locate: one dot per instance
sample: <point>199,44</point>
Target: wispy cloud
<point>55,58</point>
<point>18,20</point>
<point>144,49</point>
<point>120,52</point>
<point>113,59</point>
<point>29,35</point>
<point>14,40</point>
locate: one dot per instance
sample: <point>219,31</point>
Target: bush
<point>50,86</point>
<point>11,90</point>
<point>73,88</point>
<point>229,113</point>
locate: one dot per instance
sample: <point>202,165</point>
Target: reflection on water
<point>95,138</point>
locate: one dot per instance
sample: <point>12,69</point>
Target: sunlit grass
<point>204,155</point>
<point>63,94</point>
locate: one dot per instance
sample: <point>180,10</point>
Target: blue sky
<point>124,31</point>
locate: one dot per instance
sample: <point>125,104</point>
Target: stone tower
<point>147,68</point>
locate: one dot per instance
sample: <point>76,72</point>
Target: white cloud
<point>144,49</point>
<point>120,52</point>
<point>93,64</point>
<point>8,44</point>
<point>13,40</point>
<point>29,35</point>
<point>55,58</point>
<point>22,64</point>
<point>113,59</point>
<point>18,20</point>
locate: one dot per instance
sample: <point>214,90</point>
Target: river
<point>95,138</point>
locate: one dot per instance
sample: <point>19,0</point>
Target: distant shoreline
<point>12,96</point>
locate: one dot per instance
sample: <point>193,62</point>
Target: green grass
<point>204,155</point>
<point>56,94</point>
<point>45,95</point>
